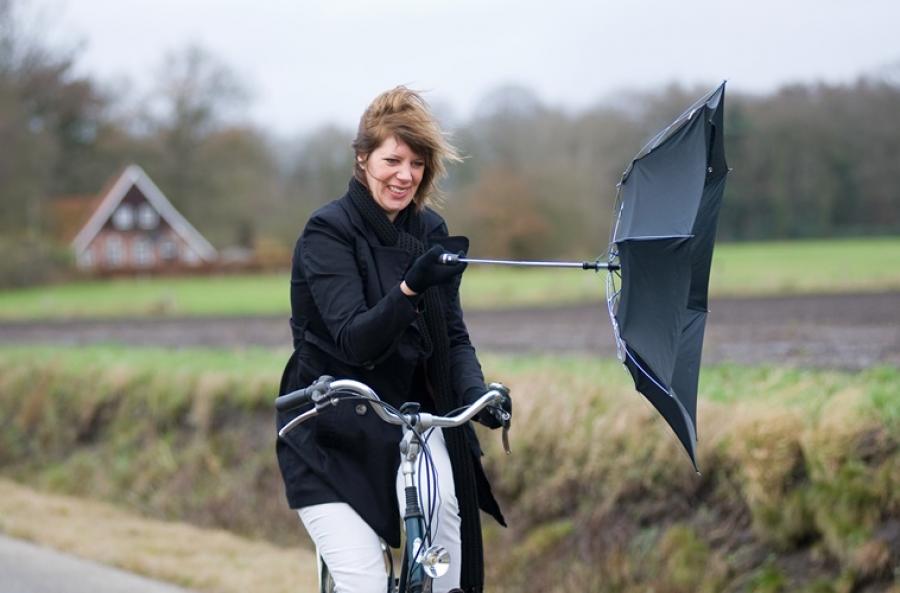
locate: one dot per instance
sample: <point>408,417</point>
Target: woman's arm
<point>467,375</point>
<point>331,270</point>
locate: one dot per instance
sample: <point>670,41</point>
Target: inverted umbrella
<point>659,259</point>
<point>667,211</point>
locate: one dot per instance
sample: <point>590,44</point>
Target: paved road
<point>27,568</point>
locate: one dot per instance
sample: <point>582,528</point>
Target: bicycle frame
<point>414,575</point>
<point>413,517</point>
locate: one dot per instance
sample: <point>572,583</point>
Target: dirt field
<point>838,331</point>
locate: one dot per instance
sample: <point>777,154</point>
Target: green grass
<point>796,267</point>
<point>738,269</point>
<point>875,390</point>
<point>241,362</point>
<point>202,295</point>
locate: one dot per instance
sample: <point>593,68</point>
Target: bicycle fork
<point>412,576</point>
<point>422,563</point>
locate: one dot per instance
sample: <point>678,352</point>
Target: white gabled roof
<point>135,176</point>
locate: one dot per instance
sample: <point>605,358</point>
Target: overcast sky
<point>308,62</point>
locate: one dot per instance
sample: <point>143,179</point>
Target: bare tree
<point>50,115</point>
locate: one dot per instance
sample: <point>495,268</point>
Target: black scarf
<point>434,329</point>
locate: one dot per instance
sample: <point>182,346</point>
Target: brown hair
<point>403,113</point>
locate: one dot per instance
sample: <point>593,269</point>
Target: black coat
<point>351,321</point>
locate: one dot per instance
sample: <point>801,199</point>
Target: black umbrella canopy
<point>668,208</point>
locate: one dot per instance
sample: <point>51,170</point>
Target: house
<point>131,226</point>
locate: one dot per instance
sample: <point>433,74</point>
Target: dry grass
<point>800,484</point>
<point>800,475</point>
<point>203,559</point>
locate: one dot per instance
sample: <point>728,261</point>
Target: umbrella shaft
<point>585,265</point>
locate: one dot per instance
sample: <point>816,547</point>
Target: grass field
<point>738,269</point>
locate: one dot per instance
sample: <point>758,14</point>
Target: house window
<point>147,217</point>
<point>115,251</point>
<point>168,250</point>
<point>190,256</point>
<point>143,252</point>
<point>123,219</point>
<point>86,259</point>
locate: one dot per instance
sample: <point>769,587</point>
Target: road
<point>834,331</point>
<point>27,568</point>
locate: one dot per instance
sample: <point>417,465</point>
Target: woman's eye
<point>418,164</point>
<point>392,161</point>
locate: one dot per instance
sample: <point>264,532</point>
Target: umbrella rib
<point>648,375</point>
<point>612,301</point>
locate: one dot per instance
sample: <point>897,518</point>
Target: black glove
<point>491,415</point>
<point>428,271</point>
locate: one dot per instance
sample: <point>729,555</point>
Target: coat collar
<point>433,221</point>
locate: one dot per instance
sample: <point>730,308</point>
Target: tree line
<point>809,160</point>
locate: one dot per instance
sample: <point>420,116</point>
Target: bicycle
<point>420,564</point>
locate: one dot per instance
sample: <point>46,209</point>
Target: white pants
<point>352,550</point>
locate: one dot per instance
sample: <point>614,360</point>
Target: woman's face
<point>393,173</point>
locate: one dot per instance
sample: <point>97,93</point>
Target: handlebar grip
<point>500,387</point>
<point>294,399</point>
<point>303,396</point>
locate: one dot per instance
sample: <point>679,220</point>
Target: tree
<point>220,172</point>
<point>503,216</point>
<point>50,115</point>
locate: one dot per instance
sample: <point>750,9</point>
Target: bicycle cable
<point>432,489</point>
<point>434,496</point>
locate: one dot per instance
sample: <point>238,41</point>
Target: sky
<point>308,63</point>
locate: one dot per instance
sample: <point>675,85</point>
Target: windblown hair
<point>403,113</point>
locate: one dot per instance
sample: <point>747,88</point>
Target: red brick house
<point>133,226</point>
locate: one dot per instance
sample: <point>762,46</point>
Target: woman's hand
<point>428,271</point>
<point>491,415</point>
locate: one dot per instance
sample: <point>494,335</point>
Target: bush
<point>30,259</point>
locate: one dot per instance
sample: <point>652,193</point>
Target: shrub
<point>30,259</point>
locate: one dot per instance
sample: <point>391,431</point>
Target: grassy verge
<point>738,269</point>
<point>199,559</point>
<point>800,489</point>
<point>173,434</point>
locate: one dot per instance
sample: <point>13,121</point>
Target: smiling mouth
<point>398,191</point>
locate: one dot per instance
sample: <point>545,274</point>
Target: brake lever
<point>504,416</point>
<point>321,400</point>
<point>506,419</point>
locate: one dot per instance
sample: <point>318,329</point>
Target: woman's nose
<point>404,172</point>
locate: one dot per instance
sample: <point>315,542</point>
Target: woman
<point>370,301</point>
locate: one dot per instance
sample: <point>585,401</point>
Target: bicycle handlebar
<point>301,397</point>
<point>324,393</point>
